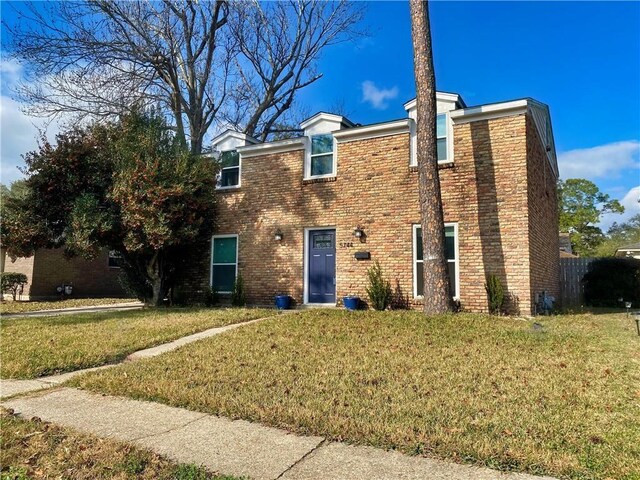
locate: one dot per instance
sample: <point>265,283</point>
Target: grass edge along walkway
<point>11,387</point>
<point>235,447</point>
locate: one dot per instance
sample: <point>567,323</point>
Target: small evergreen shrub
<point>609,279</point>
<point>379,289</point>
<point>238,296</point>
<point>495,293</point>
<point>12,282</point>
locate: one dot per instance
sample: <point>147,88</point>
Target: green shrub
<point>12,282</point>
<point>238,296</point>
<point>379,289</point>
<point>495,293</point>
<point>609,279</point>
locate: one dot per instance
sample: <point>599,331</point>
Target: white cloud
<point>10,71</point>
<point>631,205</point>
<point>19,133</point>
<point>603,161</point>
<point>377,97</point>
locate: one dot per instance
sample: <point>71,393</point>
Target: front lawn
<point>35,449</point>
<point>493,391</point>
<point>33,306</point>
<point>37,346</point>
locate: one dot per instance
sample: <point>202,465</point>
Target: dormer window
<point>321,158</point>
<point>441,137</point>
<point>446,103</point>
<point>229,176</point>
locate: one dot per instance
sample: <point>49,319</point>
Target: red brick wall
<point>49,268</point>
<point>485,192</point>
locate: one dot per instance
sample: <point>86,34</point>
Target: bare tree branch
<point>202,64</point>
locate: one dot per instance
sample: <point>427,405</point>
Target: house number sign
<point>346,244</point>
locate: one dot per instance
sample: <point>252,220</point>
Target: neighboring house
<point>49,269</point>
<point>629,251</point>
<point>566,250</point>
<point>308,216</point>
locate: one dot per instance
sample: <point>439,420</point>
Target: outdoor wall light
<point>278,235</point>
<point>358,232</point>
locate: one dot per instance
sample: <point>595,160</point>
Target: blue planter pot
<point>283,302</point>
<point>351,303</point>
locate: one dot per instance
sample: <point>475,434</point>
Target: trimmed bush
<point>238,296</point>
<point>610,279</point>
<point>495,294</point>
<point>12,282</point>
<point>379,289</point>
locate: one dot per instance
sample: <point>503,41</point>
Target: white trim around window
<point>308,156</point>
<point>455,261</point>
<point>239,167</point>
<point>413,143</point>
<point>213,238</point>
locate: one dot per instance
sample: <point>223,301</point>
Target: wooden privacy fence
<point>571,288</point>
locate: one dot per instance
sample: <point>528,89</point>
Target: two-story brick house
<point>307,216</point>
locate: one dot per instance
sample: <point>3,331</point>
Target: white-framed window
<point>321,157</point>
<point>451,252</point>
<point>224,262</point>
<point>444,142</point>
<point>114,259</point>
<point>229,176</point>
<point>441,137</point>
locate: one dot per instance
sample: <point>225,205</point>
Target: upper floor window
<point>229,169</point>
<point>444,146</point>
<point>441,135</point>
<point>321,159</point>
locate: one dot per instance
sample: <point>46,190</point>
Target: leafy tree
<point>130,186</point>
<point>581,206</point>
<point>620,235</point>
<point>17,222</point>
<point>437,297</point>
<point>201,62</point>
<point>12,282</point>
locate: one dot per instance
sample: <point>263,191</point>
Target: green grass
<point>469,388</point>
<point>10,307</point>
<point>37,346</point>
<point>35,449</point>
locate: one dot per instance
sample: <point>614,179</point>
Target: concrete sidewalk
<point>114,307</point>
<point>11,387</point>
<point>234,447</point>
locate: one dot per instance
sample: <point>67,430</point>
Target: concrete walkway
<point>234,447</point>
<point>113,307</point>
<point>11,387</point>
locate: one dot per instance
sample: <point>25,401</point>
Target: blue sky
<point>580,58</point>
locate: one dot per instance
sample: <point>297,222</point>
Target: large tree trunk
<point>437,296</point>
<point>156,274</point>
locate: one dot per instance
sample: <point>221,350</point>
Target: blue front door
<point>322,266</point>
